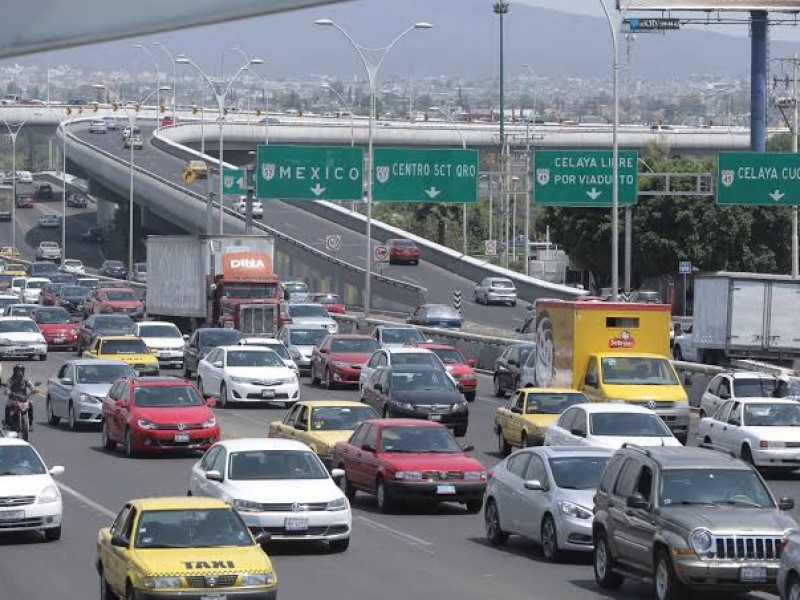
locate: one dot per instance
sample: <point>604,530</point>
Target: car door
<point>509,491</point>
<point>640,527</point>
<point>122,408</point>
<point>514,426</point>
<point>216,489</point>
<point>115,558</point>
<point>617,508</point>
<point>556,433</point>
<point>732,432</point>
<point>714,428</point>
<point>197,479</point>
<point>211,373</point>
<point>300,425</point>
<point>591,381</point>
<point>723,393</point>
<point>369,368</point>
<point>58,392</point>
<point>347,456</point>
<point>578,433</point>
<point>285,428</point>
<point>189,354</point>
<point>501,367</point>
<point>368,392</point>
<point>707,399</point>
<point>503,417</point>
<point>534,503</point>
<point>364,459</point>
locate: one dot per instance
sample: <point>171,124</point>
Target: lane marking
<point>423,545</point>
<point>86,500</point>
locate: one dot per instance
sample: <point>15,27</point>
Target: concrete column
<point>759,41</point>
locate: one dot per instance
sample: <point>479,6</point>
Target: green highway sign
<point>309,173</point>
<point>758,178</point>
<point>234,182</point>
<point>423,175</point>
<point>583,178</point>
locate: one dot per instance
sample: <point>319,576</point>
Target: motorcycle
<point>20,410</point>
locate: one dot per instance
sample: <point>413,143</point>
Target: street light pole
<point>264,86</point>
<point>158,78</point>
<point>463,147</point>
<point>372,68</point>
<point>500,8</point>
<point>795,133</point>
<point>325,86</point>
<point>529,195</point>
<point>13,131</point>
<point>174,77</point>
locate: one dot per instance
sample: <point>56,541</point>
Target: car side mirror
<point>468,448</point>
<point>337,473</point>
<point>301,426</point>
<point>516,409</point>
<point>368,448</point>
<point>724,396</point>
<point>186,337</point>
<point>214,476</point>
<point>56,471</point>
<point>578,433</point>
<point>591,380</point>
<point>636,501</point>
<point>262,537</point>
<point>217,364</point>
<point>122,404</point>
<point>66,381</point>
<point>533,485</point>
<point>211,401</point>
<point>471,362</point>
<point>378,386</point>
<point>786,504</point>
<point>323,350</point>
<point>119,541</point>
<point>513,362</point>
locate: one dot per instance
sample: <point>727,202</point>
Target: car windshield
<point>739,487</point>
<point>252,290</point>
<point>20,460</point>
<point>447,312</point>
<point>340,418</point>
<point>403,243</point>
<point>22,326</point>
<point>22,310</point>
<point>275,464</point>
<point>753,388</point>
<point>191,528</point>
<point>578,472</point>
<point>121,295</point>
<point>115,264</point>
<point>159,331</point>
<point>296,287</point>
<point>622,370</point>
<point>415,358</point>
<point>307,337</point>
<point>219,337</point>
<point>436,440</point>
<point>36,285</point>
<point>7,301</point>
<point>253,358</point>
<point>307,310</point>
<point>74,291</point>
<point>502,284</point>
<point>429,379</point>
<point>100,373</point>
<point>627,425</point>
<point>53,316</point>
<point>553,404</point>
<point>788,389</point>
<point>449,356</point>
<point>62,278</point>
<point>327,299</point>
<point>132,346</point>
<point>278,349</point>
<point>524,353</point>
<point>89,283</point>
<point>365,346</point>
<point>771,414</point>
<point>167,396</point>
<point>402,335</point>
<point>113,323</point>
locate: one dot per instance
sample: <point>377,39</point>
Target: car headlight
<point>339,364</point>
<point>338,504</point>
<point>49,494</point>
<point>766,444</point>
<point>408,475</point>
<point>239,379</point>
<point>212,422</point>
<point>681,404</point>
<point>475,475</point>
<point>5,342</point>
<point>257,578</point>
<point>617,401</point>
<point>146,424</point>
<point>154,583</point>
<point>246,506</point>
<point>459,407</point>
<point>295,354</point>
<point>404,405</point>
<point>573,510</point>
<point>701,541</point>
<point>89,399</point>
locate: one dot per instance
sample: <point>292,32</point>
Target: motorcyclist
<point>18,387</point>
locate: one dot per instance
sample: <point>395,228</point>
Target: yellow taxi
<point>321,423</point>
<point>523,420</point>
<point>127,348</point>
<point>187,548</point>
<point>15,269</point>
<point>10,252</point>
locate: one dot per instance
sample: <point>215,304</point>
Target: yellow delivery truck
<point>612,352</point>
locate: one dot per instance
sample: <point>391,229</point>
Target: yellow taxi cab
<point>321,423</point>
<point>10,252</point>
<point>127,348</point>
<point>523,420</point>
<point>16,269</point>
<point>182,548</point>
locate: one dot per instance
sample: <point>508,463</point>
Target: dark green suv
<point>686,519</point>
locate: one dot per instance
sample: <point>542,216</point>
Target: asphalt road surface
<point>311,229</point>
<point>417,553</point>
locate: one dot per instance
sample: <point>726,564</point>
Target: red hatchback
<point>339,358</point>
<point>403,251</point>
<point>462,369</point>
<point>332,302</point>
<point>49,294</point>
<point>407,459</point>
<point>57,327</point>
<point>155,414</point>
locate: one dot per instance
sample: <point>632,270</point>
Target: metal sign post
<point>684,268</point>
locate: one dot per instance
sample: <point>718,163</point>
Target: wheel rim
<point>662,579</point>
<point>492,522</point>
<point>794,591</point>
<point>380,496</point>
<point>601,559</point>
<point>549,538</point>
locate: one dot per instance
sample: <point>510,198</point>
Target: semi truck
<point>612,352</point>
<point>214,280</point>
<point>742,315</point>
<point>6,200</point>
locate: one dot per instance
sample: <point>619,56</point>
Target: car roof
<point>18,318</point>
<point>12,441</point>
<point>351,336</point>
<point>404,423</point>
<point>750,375</point>
<point>570,451</point>
<point>537,390</point>
<point>763,400</point>
<point>96,361</point>
<point>262,443</point>
<point>114,289</point>
<point>404,350</point>
<point>411,368</point>
<point>178,502</point>
<point>323,403</point>
<point>159,380</point>
<point>396,326</point>
<point>260,341</point>
<point>106,338</point>
<point>156,322</point>
<point>244,347</point>
<point>687,457</point>
<point>612,407</point>
<point>432,346</point>
<point>304,325</point>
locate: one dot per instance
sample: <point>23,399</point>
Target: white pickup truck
<point>48,251</point>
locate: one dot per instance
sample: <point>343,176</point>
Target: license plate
<point>181,437</point>
<point>12,515</point>
<point>435,417</point>
<point>294,524</point>
<point>267,393</point>
<point>753,574</point>
<point>445,489</point>
<point>58,340</point>
<point>214,597</point>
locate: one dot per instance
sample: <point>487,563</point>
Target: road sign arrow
<point>777,195</point>
<point>432,192</point>
<point>317,190</point>
<point>594,194</point>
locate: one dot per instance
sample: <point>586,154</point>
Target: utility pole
<point>500,8</point>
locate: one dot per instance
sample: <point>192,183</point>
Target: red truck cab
<point>246,295</point>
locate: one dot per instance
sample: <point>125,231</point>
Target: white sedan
<point>609,425</point>
<point>49,220</point>
<point>164,339</point>
<point>32,289</point>
<point>762,431</point>
<point>74,266</point>
<point>247,374</point>
<point>279,486</point>
<point>241,208</point>
<point>20,337</point>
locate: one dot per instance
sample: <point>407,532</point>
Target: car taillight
<point>489,474</point>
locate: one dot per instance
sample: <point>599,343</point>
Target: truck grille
<point>257,318</point>
<point>17,500</point>
<point>211,581</point>
<point>737,547</point>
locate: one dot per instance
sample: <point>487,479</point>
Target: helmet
<point>19,370</point>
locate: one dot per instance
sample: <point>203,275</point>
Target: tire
<point>604,575</point>
<point>348,490</point>
<point>72,420</point>
<point>314,380</point>
<point>128,445</point>
<point>187,372</point>
<point>105,589</point>
<point>106,441</point>
<point>42,357</point>
<point>78,350</point>
<point>382,497</point>
<point>339,545</point>
<point>474,506</point>
<point>702,414</point>
<point>514,303</point>
<point>460,431</point>
<point>386,414</point>
<point>793,588</point>
<point>525,442</point>
<point>502,444</point>
<point>53,534</point>
<point>498,389</point>
<point>223,395</point>
<point>51,418</point>
<point>676,353</point>
<point>491,522</point>
<point>470,396</point>
<point>747,455</point>
<point>549,539</point>
<point>328,383</point>
<point>666,585</point>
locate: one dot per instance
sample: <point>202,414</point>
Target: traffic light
<point>69,111</point>
<point>193,108</point>
<point>258,112</point>
<point>114,107</point>
<point>95,107</point>
<point>163,108</point>
<point>136,107</point>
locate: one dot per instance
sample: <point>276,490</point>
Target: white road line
<point>405,537</point>
<point>87,501</point>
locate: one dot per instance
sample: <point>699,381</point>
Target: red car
<point>408,459</point>
<point>403,251</point>
<point>339,358</point>
<point>57,327</point>
<point>157,413</point>
<point>332,302</point>
<point>114,300</point>
<point>167,121</point>
<point>462,369</point>
<point>49,294</point>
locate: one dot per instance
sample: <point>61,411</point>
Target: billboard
<point>714,5</point>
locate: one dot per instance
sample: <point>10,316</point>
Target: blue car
<point>436,315</point>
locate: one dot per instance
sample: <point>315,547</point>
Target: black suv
<point>203,341</point>
<point>687,519</point>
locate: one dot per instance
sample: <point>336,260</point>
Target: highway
<point>415,553</point>
<point>311,229</point>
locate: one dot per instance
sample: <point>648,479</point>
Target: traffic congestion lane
<point>311,229</point>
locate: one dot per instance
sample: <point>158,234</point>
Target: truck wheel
<point>603,563</point>
<point>666,585</point>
